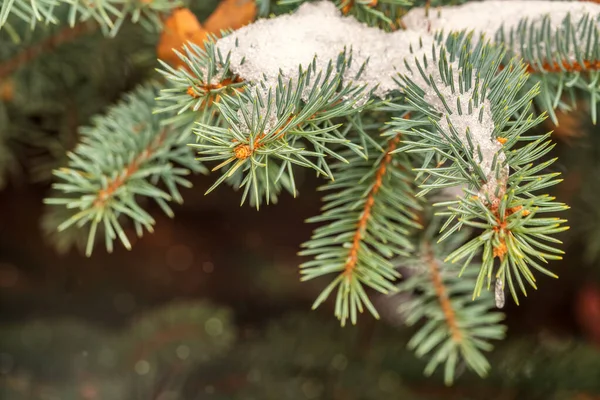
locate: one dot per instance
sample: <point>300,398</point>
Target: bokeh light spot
<point>214,326</point>
<point>142,367</point>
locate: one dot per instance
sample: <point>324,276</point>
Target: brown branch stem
<point>442,294</point>
<point>366,214</point>
<point>564,65</point>
<point>105,194</point>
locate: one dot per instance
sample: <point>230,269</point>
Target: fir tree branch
<point>558,41</point>
<point>470,114</point>
<point>465,120</point>
<point>455,328</point>
<point>60,37</point>
<point>558,67</point>
<point>262,132</point>
<point>120,160</point>
<point>263,104</point>
<point>370,215</point>
<point>194,90</point>
<point>572,54</point>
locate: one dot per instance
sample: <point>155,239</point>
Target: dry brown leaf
<point>183,26</point>
<point>180,27</point>
<point>231,14</point>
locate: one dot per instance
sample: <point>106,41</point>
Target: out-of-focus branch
<point>64,35</point>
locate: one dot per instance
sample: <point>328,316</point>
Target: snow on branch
<point>471,98</point>
<point>270,51</point>
<point>268,47</point>
<point>263,50</point>
<point>489,17</point>
<point>267,55</point>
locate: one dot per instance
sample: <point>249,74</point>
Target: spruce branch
<point>473,116</point>
<point>261,132</point>
<point>569,67</point>
<point>122,158</point>
<point>270,131</point>
<point>335,100</point>
<point>566,30</point>
<point>442,294</point>
<point>564,66</point>
<point>369,215</point>
<point>197,87</point>
<point>46,75</point>
<point>455,329</point>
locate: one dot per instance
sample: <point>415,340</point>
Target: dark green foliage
<point>68,359</point>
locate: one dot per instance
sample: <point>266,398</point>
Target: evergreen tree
<point>424,118</point>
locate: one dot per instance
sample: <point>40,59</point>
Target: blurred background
<point>210,306</point>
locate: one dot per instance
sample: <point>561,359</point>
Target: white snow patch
<point>488,17</point>
<point>271,46</point>
<point>480,131</point>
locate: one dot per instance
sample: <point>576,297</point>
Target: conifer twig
<point>114,185</point>
<point>370,215</point>
<point>123,157</point>
<point>456,329</point>
<point>64,35</point>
